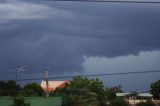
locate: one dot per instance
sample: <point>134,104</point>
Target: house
<point>140,97</point>
<point>133,99</point>
<point>52,85</point>
<point>145,95</point>
<point>122,94</point>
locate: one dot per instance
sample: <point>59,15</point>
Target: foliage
<point>68,99</point>
<point>86,92</point>
<point>111,92</point>
<point>84,83</point>
<point>155,89</point>
<point>82,92</point>
<point>148,103</point>
<point>9,88</point>
<point>19,101</point>
<point>118,102</point>
<point>32,89</point>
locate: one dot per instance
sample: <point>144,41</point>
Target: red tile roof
<point>52,85</point>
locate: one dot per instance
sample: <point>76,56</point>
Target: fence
<point>34,101</point>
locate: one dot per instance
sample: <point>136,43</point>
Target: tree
<point>19,101</point>
<point>118,102</point>
<point>9,88</point>
<point>82,92</point>
<point>111,92</point>
<point>32,89</point>
<point>93,85</point>
<point>155,89</point>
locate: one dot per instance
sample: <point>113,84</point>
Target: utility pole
<point>46,79</point>
<point>16,71</point>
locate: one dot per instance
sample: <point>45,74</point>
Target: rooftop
<point>122,94</point>
<point>145,95</point>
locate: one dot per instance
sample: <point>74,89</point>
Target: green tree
<point>9,88</point>
<point>118,102</point>
<point>32,89</point>
<point>111,92</point>
<point>155,89</point>
<point>82,92</point>
<point>19,101</point>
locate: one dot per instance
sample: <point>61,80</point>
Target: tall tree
<point>82,92</point>
<point>32,89</point>
<point>155,89</point>
<point>9,88</point>
<point>111,92</point>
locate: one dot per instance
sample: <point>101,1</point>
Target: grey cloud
<point>18,10</point>
<point>91,30</point>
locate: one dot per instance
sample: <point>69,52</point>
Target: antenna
<point>18,69</point>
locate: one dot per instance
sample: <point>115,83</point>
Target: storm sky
<point>73,38</point>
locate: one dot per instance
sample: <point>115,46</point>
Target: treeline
<point>87,92</point>
<point>11,88</point>
<point>80,92</point>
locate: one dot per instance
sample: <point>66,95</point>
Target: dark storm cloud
<point>63,33</point>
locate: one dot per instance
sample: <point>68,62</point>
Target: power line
<point>109,1</point>
<point>94,75</point>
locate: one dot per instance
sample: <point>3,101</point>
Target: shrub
<point>19,101</point>
<point>118,102</point>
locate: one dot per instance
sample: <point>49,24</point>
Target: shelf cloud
<point>62,34</point>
